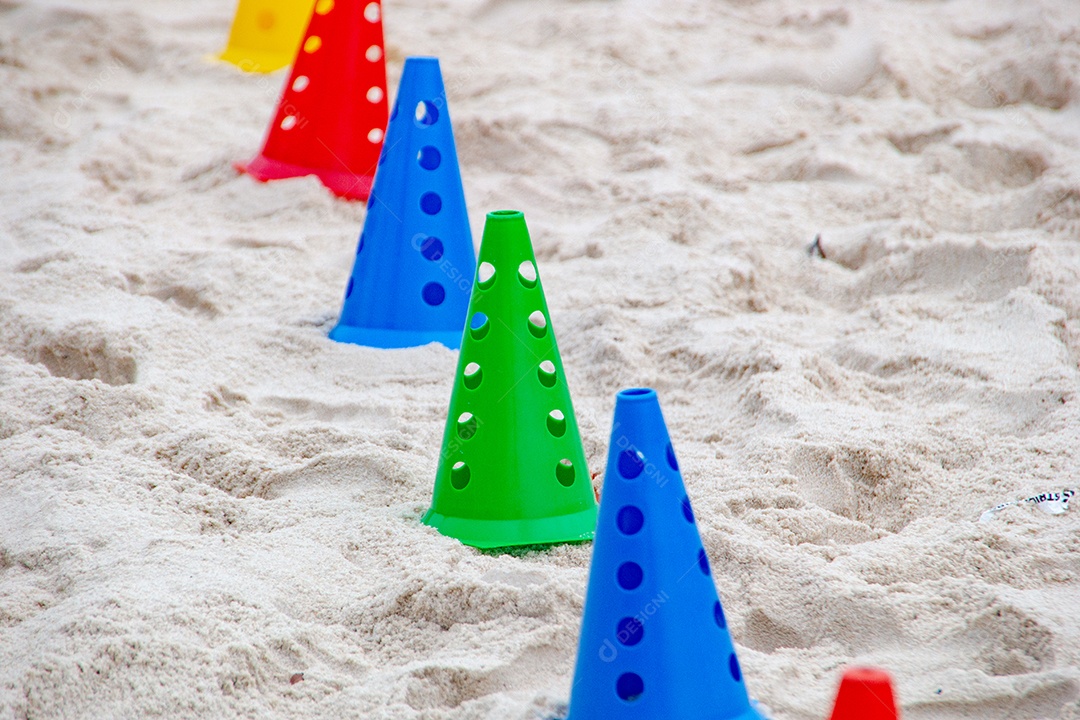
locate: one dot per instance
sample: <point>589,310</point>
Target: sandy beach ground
<point>201,495</point>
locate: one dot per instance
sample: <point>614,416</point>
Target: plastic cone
<point>654,640</point>
<point>512,470</point>
<point>265,34</point>
<point>415,260</point>
<point>865,694</point>
<point>331,117</point>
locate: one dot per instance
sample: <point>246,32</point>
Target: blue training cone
<point>654,639</point>
<point>415,260</point>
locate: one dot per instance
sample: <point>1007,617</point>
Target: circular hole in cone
<point>537,324</point>
<point>485,275</point>
<point>703,561</point>
<point>312,44</point>
<point>433,293</point>
<point>393,113</point>
<point>630,464</point>
<point>629,686</point>
<point>479,326</point>
<point>288,122</point>
<point>630,575</point>
<point>374,54</point>
<point>348,289</point>
<point>556,423</point>
<point>371,12</point>
<point>630,520</point>
<point>431,203</point>
<point>459,475</point>
<point>426,113</point>
<point>564,471</point>
<point>300,84</point>
<point>629,631</point>
<point>374,94</point>
<point>430,247</point>
<point>687,511</point>
<point>671,461</point>
<point>734,669</point>
<point>375,135</point>
<point>718,615</point>
<point>324,6</point>
<point>360,244</point>
<point>527,274</point>
<point>429,157</point>
<point>472,376</point>
<point>546,372</point>
<point>466,425</point>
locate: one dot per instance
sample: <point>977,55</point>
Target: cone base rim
<point>263,62</point>
<point>489,534</point>
<point>751,713</point>
<point>343,184</point>
<point>392,339</point>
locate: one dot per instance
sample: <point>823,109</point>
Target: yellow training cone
<point>266,34</point>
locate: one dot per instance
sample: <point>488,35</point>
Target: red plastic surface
<point>332,115</point>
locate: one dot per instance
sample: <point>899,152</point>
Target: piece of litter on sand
<point>295,678</point>
<point>815,249</point>
<point>1053,503</point>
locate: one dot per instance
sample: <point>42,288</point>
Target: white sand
<point>201,495</point>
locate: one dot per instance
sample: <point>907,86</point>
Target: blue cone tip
<point>636,395</point>
<point>415,261</point>
<point>654,638</point>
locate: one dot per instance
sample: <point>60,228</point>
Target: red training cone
<point>331,117</point>
<point>865,694</point>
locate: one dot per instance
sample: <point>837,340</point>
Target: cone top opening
<point>505,215</point>
<point>636,394</point>
<point>867,675</point>
<point>422,60</point>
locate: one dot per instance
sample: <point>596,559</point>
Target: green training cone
<point>512,470</point>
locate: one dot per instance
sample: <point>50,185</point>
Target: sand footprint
<point>78,351</point>
<point>987,167</point>
<point>1007,641</point>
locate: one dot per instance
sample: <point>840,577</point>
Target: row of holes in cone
<point>460,474</point>
<point>428,157</point>
<point>312,45</point>
<point>629,576</point>
<point>473,375</point>
<point>468,425</point>
<point>434,293</point>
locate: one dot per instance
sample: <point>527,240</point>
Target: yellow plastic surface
<point>266,34</point>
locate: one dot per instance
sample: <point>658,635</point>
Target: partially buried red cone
<point>331,117</point>
<point>865,694</point>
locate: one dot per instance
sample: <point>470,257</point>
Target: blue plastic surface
<point>654,639</point>
<point>415,260</point>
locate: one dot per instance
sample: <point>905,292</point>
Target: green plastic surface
<point>511,470</point>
